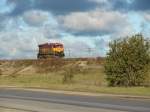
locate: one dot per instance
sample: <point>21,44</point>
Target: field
<point>84,75</point>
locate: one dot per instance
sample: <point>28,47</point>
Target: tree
<point>127,61</point>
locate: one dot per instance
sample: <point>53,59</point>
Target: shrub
<point>127,61</point>
<point>1,72</point>
<point>68,76</point>
<point>69,73</point>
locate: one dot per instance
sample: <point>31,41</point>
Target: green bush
<point>127,61</point>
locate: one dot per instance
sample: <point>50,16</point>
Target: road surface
<point>14,100</point>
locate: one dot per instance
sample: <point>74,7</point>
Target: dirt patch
<point>12,67</point>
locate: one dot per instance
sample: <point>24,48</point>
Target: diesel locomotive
<point>50,50</point>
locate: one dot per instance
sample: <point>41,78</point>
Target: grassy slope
<point>55,83</point>
<point>88,76</point>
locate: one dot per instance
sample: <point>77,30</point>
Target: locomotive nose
<point>60,49</point>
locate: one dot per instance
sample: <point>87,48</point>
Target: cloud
<point>54,6</point>
<point>121,5</point>
<point>51,33</point>
<point>4,7</point>
<point>65,6</point>
<point>98,22</point>
<point>140,5</point>
<point>147,16</point>
<point>20,6</point>
<point>126,5</point>
<point>62,7</point>
<point>145,25</point>
<point>101,45</point>
<point>74,44</point>
<point>35,18</point>
<point>16,42</point>
<point>17,45</point>
<point>130,5</point>
<point>2,23</point>
<point>79,24</point>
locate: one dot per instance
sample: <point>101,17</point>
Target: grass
<point>48,80</point>
<point>50,74</point>
<point>81,82</point>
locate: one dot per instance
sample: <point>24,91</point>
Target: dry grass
<point>88,75</point>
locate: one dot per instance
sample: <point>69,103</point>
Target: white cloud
<point>20,44</point>
<point>147,16</point>
<point>19,40</point>
<point>22,39</point>
<point>95,21</point>
<point>35,17</point>
<point>146,24</point>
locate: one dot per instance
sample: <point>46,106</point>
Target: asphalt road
<point>12,100</point>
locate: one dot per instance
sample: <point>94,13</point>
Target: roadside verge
<point>77,93</point>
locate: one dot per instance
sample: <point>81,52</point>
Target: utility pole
<point>89,51</point>
<point>68,52</point>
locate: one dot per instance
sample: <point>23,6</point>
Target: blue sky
<point>79,24</point>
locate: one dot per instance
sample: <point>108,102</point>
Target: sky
<point>85,27</point>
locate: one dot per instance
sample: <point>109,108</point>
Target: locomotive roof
<point>49,44</point>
